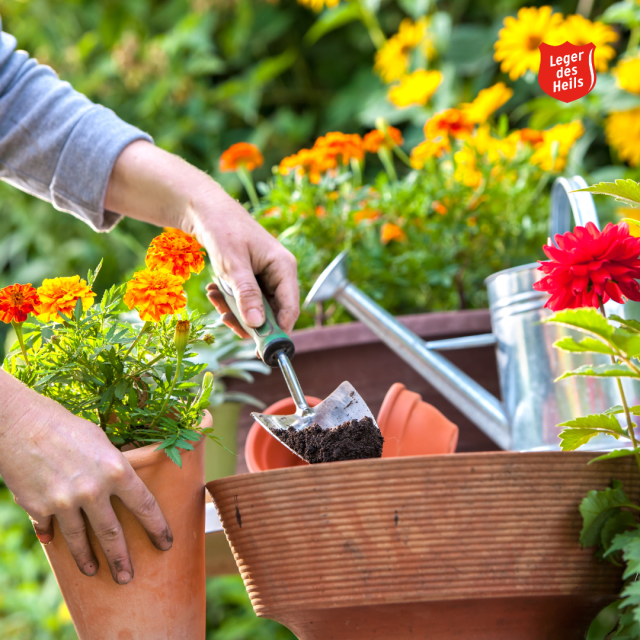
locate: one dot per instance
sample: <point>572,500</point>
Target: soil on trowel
<point>351,440</point>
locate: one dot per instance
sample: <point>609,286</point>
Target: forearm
<point>155,186</point>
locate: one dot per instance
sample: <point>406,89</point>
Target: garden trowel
<point>276,349</point>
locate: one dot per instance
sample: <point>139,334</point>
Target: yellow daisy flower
<point>627,74</point>
<point>517,46</point>
<point>466,168</point>
<point>415,88</point>
<point>392,60</point>
<point>557,142</point>
<point>580,31</point>
<point>622,129</point>
<point>487,101</point>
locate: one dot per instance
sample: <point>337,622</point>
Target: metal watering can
<point>533,405</point>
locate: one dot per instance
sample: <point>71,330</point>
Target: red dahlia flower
<point>589,265</point>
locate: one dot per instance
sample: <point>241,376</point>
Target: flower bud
<point>207,381</point>
<point>209,338</point>
<point>181,337</point>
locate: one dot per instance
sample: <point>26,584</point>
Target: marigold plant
<point>177,252</point>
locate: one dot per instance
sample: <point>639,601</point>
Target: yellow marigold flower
<point>391,232</point>
<point>580,31</point>
<point>627,74</point>
<point>466,167</point>
<point>451,122</point>
<point>241,154</point>
<point>392,60</point>
<point>376,139</point>
<point>518,42</point>
<point>366,214</point>
<point>318,5</point>
<point>428,149</point>
<point>622,129</point>
<point>61,295</point>
<point>495,149</point>
<point>558,140</point>
<point>415,88</point>
<point>177,252</point>
<point>155,294</point>
<point>487,102</point>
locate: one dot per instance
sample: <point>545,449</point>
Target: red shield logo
<point>567,71</point>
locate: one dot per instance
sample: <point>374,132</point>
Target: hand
<point>155,186</point>
<point>57,464</point>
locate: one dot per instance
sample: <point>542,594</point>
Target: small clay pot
<point>412,427</point>
<point>166,598</point>
<point>262,451</point>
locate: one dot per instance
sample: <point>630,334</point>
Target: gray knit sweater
<point>54,142</point>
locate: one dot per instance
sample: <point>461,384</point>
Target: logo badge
<point>567,71</point>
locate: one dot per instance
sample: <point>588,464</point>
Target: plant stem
<point>145,327</point>
<point>634,40</point>
<point>356,170</point>
<point>17,327</point>
<point>370,21</point>
<point>387,160</point>
<point>402,155</point>
<point>166,399</point>
<point>247,183</point>
<point>625,406</point>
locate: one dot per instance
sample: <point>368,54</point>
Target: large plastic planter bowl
<point>445,547</point>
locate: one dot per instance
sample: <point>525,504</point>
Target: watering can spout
<point>475,402</point>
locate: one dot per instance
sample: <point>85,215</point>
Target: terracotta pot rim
<point>427,459</point>
<point>148,455</point>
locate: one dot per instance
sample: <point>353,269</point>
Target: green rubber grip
<point>270,339</point>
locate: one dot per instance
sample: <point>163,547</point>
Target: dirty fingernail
<point>45,538</point>
<point>254,316</point>
<point>90,569</point>
<point>123,577</point>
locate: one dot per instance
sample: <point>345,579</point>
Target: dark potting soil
<point>351,440</point>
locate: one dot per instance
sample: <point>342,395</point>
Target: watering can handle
<point>270,339</point>
<point>569,209</point>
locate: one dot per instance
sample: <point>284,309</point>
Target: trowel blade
<point>342,405</point>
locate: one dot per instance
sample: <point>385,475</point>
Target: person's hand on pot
<point>59,465</point>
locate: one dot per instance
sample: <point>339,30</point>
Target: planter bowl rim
<point>148,455</point>
<point>455,458</point>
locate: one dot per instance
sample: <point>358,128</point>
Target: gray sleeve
<point>54,142</point>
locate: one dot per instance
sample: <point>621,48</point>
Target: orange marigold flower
<point>452,122</point>
<point>428,149</point>
<point>376,139</point>
<point>17,301</point>
<point>60,295</point>
<point>177,252</point>
<point>391,232</point>
<point>366,214</point>
<point>439,208</point>
<point>241,154</point>
<point>321,212</point>
<point>531,136</point>
<point>343,146</point>
<point>308,162</point>
<point>155,294</point>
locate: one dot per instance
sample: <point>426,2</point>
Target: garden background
<point>201,75</point>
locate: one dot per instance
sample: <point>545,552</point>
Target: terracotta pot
<point>262,451</point>
<point>412,427</point>
<point>466,547</point>
<point>166,598</point>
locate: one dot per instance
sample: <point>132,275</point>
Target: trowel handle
<point>269,338</point>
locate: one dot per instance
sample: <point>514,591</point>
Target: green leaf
<point>333,19</point>
<point>78,310</point>
<point>585,319</point>
<point>617,453</point>
<point>626,191</point>
<point>596,508</point>
<point>629,544</point>
<point>601,371</point>
<point>632,325</point>
<point>586,345</point>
